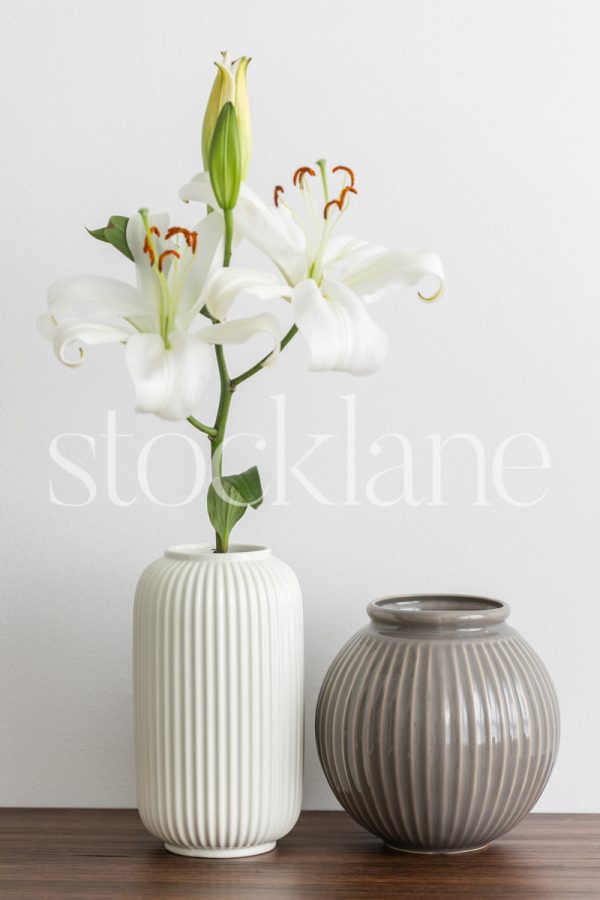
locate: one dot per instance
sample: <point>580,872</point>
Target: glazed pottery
<point>437,724</point>
<point>218,696</point>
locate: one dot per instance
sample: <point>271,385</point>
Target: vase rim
<point>206,552</point>
<point>438,610</point>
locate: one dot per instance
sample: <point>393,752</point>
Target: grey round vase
<point>437,725</point>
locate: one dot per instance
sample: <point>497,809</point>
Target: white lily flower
<point>177,270</point>
<point>328,279</point>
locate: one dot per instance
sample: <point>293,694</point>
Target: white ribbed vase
<point>218,696</point>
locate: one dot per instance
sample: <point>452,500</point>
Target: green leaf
<point>228,500</point>
<point>114,233</point>
<point>224,514</point>
<point>248,485</point>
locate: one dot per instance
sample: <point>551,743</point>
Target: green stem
<point>216,434</point>
<point>227,389</point>
<point>201,427</point>
<point>225,398</point>
<point>259,365</point>
<point>228,217</point>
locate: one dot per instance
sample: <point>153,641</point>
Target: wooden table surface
<point>107,853</point>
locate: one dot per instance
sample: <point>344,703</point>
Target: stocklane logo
<point>433,470</point>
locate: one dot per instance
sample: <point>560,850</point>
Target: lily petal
<point>238,331</point>
<point>344,253</point>
<point>206,260</point>
<point>168,382</point>
<point>47,326</point>
<point>393,268</point>
<point>96,297</point>
<point>272,230</point>
<point>75,332</point>
<point>226,284</point>
<point>337,328</point>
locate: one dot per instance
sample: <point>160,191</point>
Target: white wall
<point>474,128</point>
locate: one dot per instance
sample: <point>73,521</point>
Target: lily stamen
<point>328,206</point>
<point>348,171</point>
<point>164,254</point>
<point>278,190</point>
<point>346,190</point>
<point>190,236</point>
<point>175,229</point>
<point>300,173</point>
<point>154,230</point>
<point>149,249</point>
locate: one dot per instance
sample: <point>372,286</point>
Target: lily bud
<point>224,158</point>
<point>229,87</point>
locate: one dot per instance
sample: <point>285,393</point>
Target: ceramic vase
<point>218,698</point>
<point>437,725</point>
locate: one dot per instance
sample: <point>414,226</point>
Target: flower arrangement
<point>174,324</point>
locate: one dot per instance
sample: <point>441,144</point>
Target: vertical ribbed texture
<point>437,744</point>
<point>218,692</point>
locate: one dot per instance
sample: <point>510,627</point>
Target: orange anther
<point>328,206</point>
<point>190,236</point>
<point>300,173</point>
<point>149,250</point>
<point>348,171</point>
<point>346,190</point>
<point>175,230</point>
<point>278,190</point>
<point>164,254</point>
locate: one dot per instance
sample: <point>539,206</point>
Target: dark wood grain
<point>107,853</point>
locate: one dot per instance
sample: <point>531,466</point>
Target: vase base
<point>227,853</point>
<point>436,852</point>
